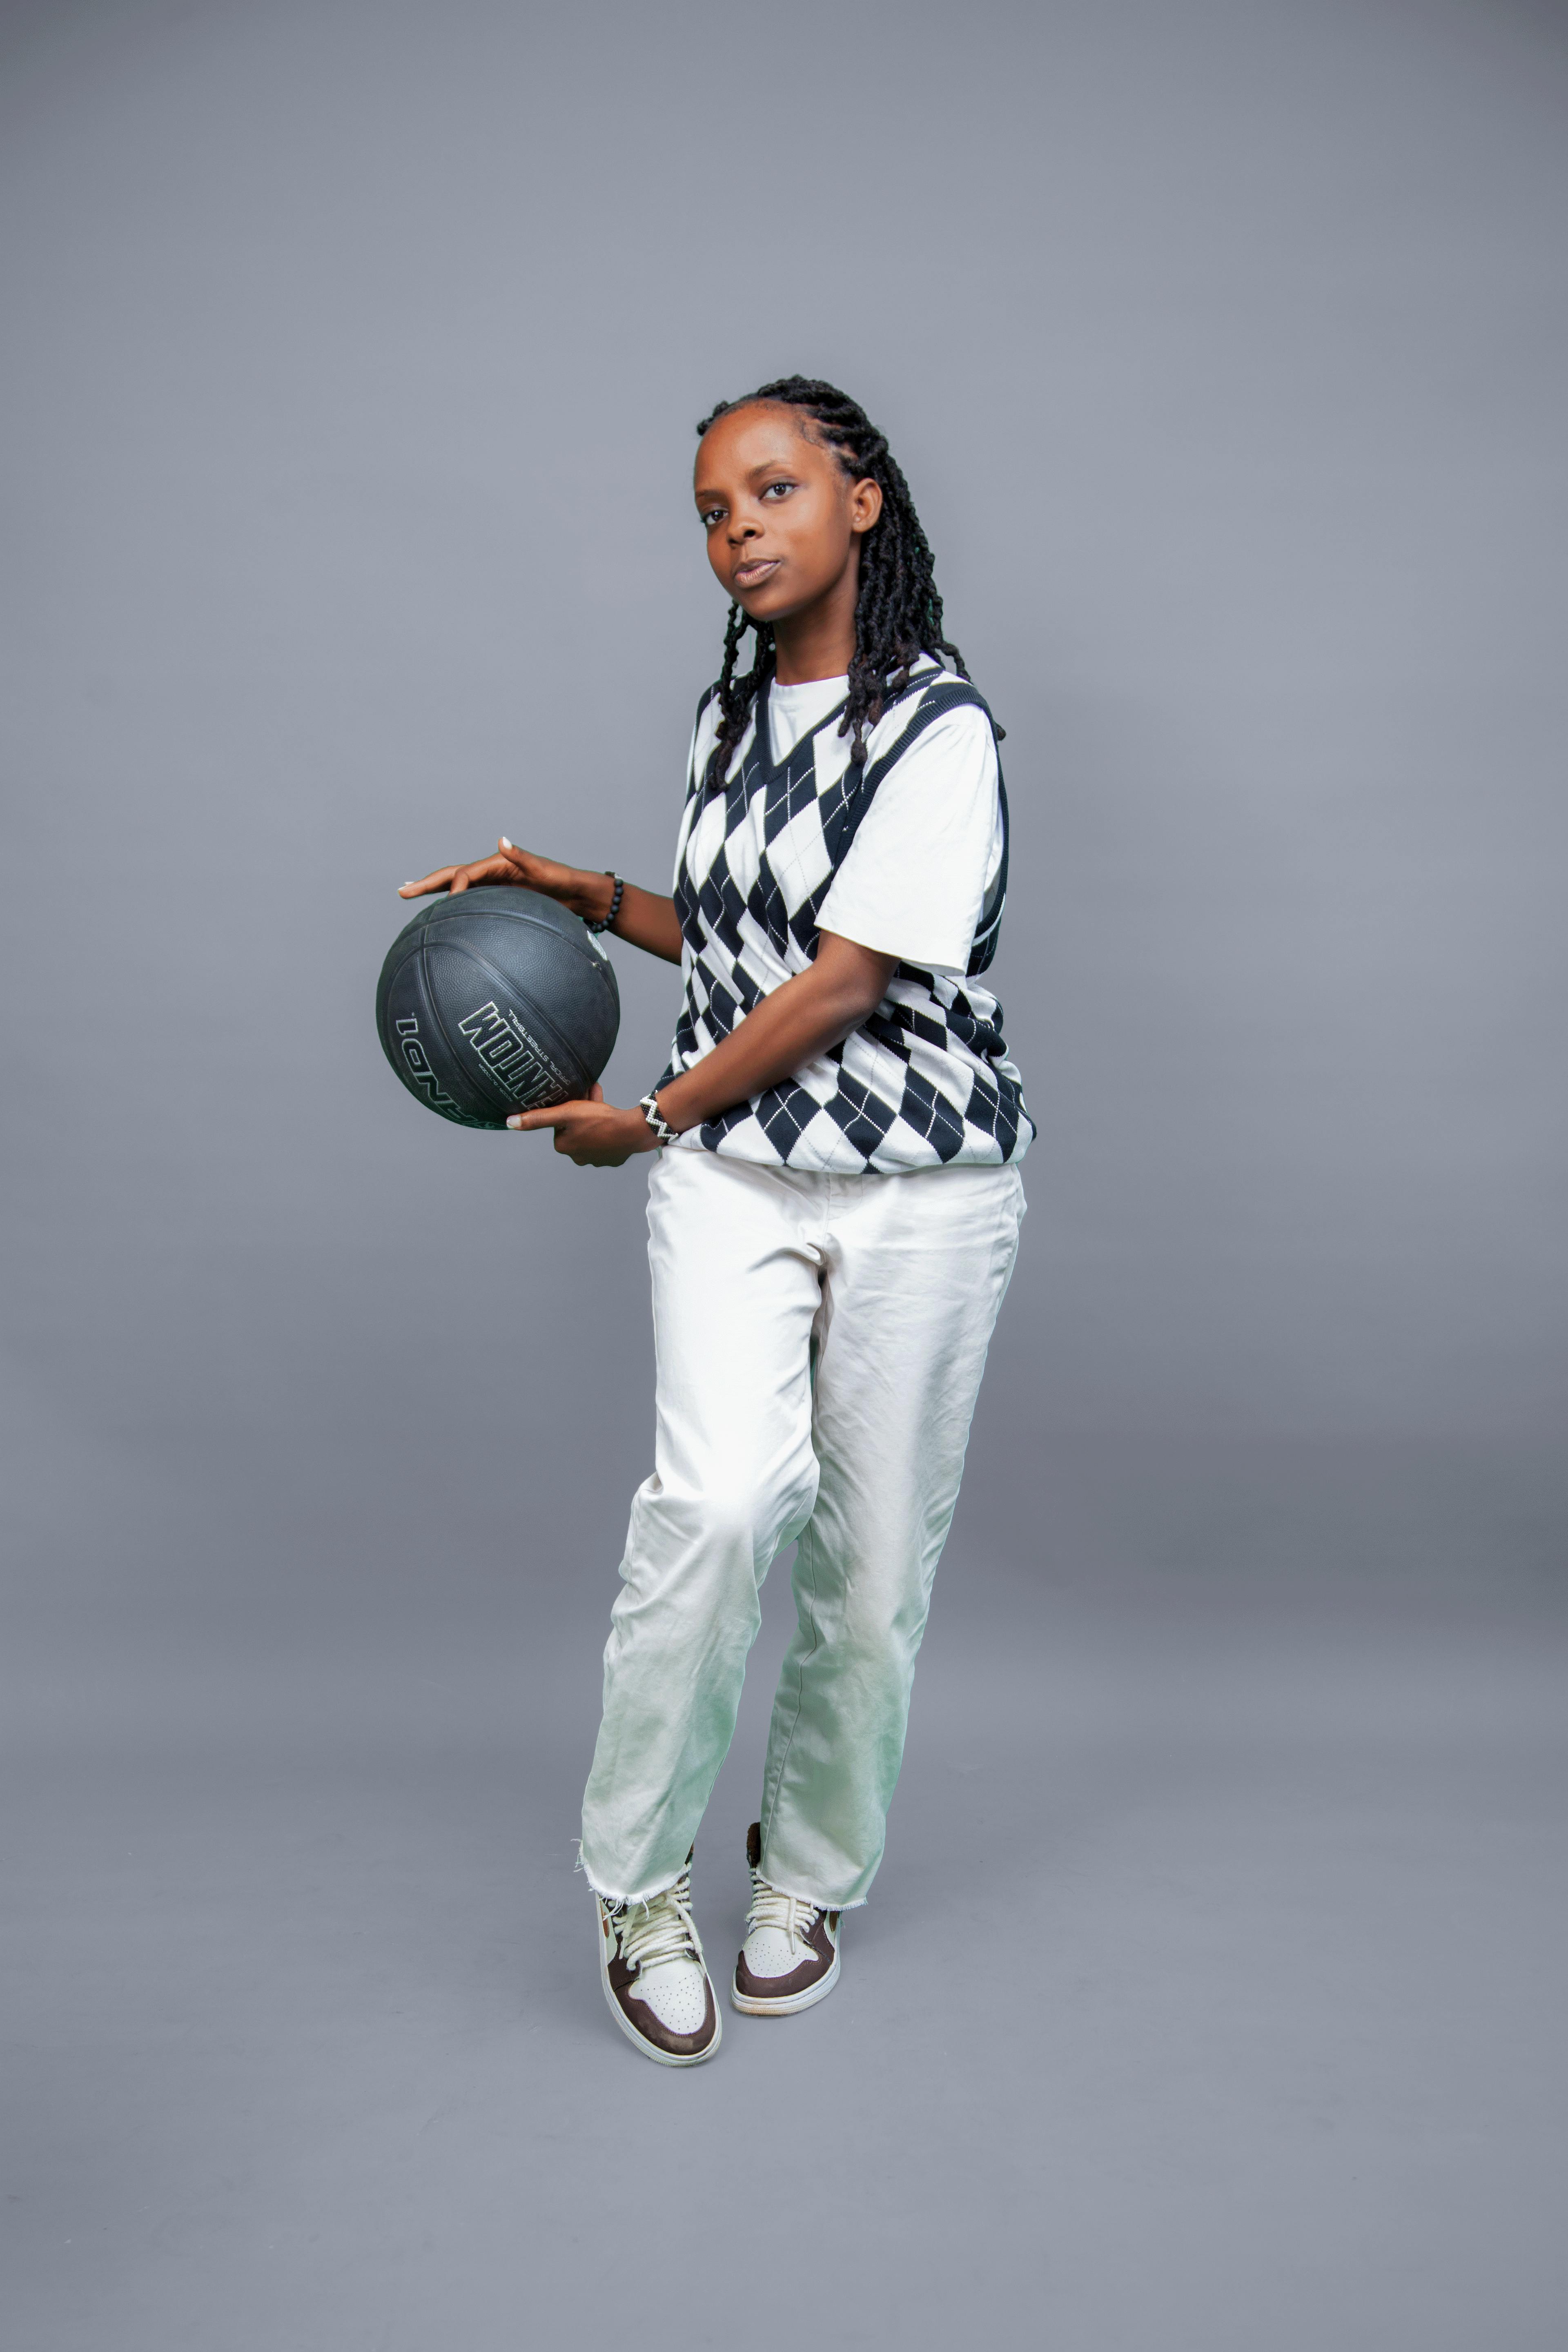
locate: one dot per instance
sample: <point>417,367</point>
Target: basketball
<point>496,1000</point>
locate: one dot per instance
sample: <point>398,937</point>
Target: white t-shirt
<point>930,846</point>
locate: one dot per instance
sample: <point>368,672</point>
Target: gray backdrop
<point>351,355</point>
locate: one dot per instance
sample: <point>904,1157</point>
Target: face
<point>783,521</point>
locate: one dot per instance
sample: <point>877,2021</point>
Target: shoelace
<point>788,1913</point>
<point>661,1928</point>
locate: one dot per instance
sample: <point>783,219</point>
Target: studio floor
<point>1210,1996</point>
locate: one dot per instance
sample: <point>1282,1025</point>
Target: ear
<point>865,504</point>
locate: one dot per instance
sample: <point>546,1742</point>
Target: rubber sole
<point>749,2007</point>
<point>649,2048</point>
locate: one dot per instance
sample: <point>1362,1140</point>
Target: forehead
<point>764,433</point>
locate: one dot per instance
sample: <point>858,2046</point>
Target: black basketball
<point>496,1000</point>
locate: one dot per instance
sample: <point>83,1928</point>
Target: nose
<point>742,527</point>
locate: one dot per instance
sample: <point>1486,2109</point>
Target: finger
<point>596,1092</point>
<point>484,869</point>
<point>524,1121</point>
<point>436,881</point>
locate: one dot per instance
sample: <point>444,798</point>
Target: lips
<point>753,574</point>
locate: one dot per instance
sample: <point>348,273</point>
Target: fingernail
<point>514,1122</point>
<point>504,842</point>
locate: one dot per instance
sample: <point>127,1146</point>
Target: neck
<point>819,642</point>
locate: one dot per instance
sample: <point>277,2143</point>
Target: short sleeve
<point>916,874</point>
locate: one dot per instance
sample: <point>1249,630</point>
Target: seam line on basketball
<point>591,956</point>
<point>436,1013</point>
<point>564,1051</point>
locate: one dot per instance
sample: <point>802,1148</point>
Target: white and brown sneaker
<point>790,1956</point>
<point>655,1978</point>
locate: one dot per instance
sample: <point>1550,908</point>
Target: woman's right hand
<point>587,895</point>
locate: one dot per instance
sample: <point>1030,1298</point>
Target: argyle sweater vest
<point>925,1082</point>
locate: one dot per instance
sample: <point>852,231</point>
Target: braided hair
<point>898,611</point>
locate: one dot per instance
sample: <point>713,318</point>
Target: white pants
<point>820,1341</point>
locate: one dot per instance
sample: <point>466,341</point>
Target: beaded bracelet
<point>614,903</point>
<point>663,1131</point>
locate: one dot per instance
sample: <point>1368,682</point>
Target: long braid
<point>898,609</point>
<point>736,695</point>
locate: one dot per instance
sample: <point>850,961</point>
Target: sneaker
<point>655,1978</point>
<point>790,1956</point>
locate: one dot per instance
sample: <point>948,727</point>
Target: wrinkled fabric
<point>820,1340</point>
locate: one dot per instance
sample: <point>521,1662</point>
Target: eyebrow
<point>767,471</point>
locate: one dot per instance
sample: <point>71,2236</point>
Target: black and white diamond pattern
<point>926,1082</point>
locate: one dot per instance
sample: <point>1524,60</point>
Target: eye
<point>708,516</point>
<point>780,489</point>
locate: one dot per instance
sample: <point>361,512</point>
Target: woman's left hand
<point>590,1131</point>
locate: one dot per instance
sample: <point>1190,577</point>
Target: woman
<point>834,1204</point>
